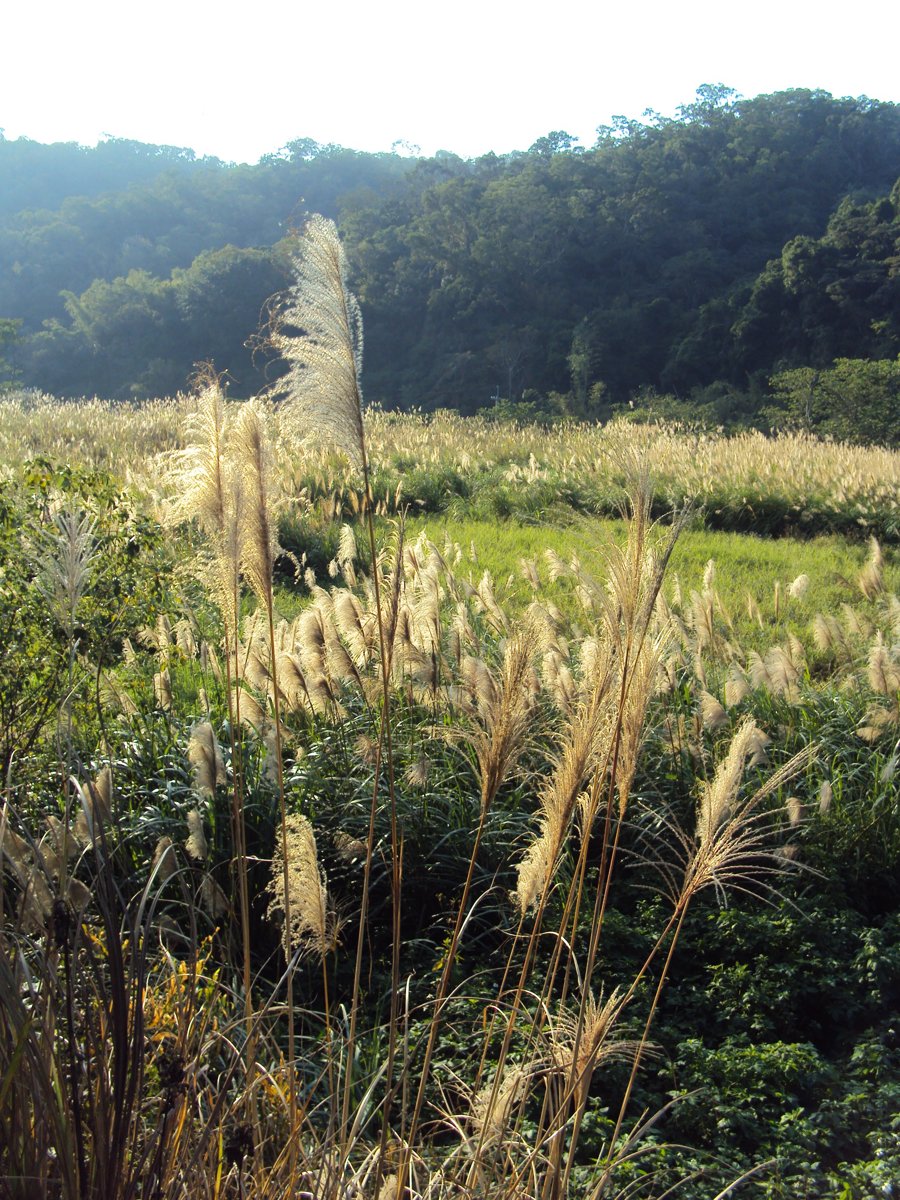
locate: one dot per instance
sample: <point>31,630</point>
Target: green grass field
<point>745,566</point>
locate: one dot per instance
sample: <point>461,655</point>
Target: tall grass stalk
<point>213,494</point>
<point>318,331</point>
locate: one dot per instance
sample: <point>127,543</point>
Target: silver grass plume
<point>640,683</point>
<point>185,639</point>
<point>212,490</point>
<point>358,630</point>
<point>213,898</point>
<point>506,711</point>
<point>96,807</point>
<point>310,922</point>
<point>737,686</point>
<point>581,1042</point>
<point>164,864</point>
<point>587,734</point>
<point>38,871</point>
<point>492,1107</point>
<point>162,689</point>
<point>205,757</point>
<point>318,331</point>
<point>800,586</point>
<point>884,671</point>
<point>347,552</point>
<point>856,623</point>
<point>390,1188</point>
<point>195,843</point>
<point>871,578</point>
<point>205,482</point>
<point>717,797</point>
<point>69,551</point>
<point>259,544</point>
<point>417,772</point>
<point>733,838</point>
<point>793,806</point>
<point>253,715</point>
<point>159,638</point>
<point>826,795</point>
<point>712,714</point>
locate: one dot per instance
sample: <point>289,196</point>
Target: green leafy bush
<point>81,570</point>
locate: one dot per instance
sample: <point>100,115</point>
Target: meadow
<point>537,838</point>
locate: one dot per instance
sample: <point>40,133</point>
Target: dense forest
<point>738,263</point>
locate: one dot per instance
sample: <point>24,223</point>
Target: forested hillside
<point>694,258</point>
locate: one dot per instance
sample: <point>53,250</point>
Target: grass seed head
<point>299,889</point>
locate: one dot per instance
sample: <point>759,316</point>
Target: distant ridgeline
<point>691,267</point>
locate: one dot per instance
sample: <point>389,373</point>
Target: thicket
<point>489,469</point>
<point>777,1028</point>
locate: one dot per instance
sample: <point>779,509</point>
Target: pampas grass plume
<point>492,1106</point>
<point>717,797</point>
<point>205,756</point>
<point>318,331</point>
<point>794,809</point>
<point>162,688</point>
<point>164,861</point>
<point>799,587</point>
<point>259,544</point>
<point>712,714</point>
<point>195,843</point>
<point>310,923</point>
<point>871,578</point>
<point>826,795</point>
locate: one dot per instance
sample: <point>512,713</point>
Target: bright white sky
<point>462,75</point>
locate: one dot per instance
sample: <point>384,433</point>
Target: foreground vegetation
<point>380,860</point>
<point>575,789</point>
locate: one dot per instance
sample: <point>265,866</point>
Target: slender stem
<point>639,1053</point>
<point>386,737</point>
<point>292,1050</point>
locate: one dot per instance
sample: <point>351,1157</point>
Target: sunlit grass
<point>745,568</point>
<point>486,469</point>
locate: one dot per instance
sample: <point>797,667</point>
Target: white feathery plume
<point>798,589</point>
<point>318,332</point>
<point>871,578</point>
<point>205,756</point>
<point>195,843</point>
<point>299,890</point>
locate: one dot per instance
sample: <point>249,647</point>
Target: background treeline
<point>681,265</point>
<point>126,264</point>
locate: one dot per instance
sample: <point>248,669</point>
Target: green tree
<point>126,325</point>
<point>221,301</point>
<point>854,400</point>
<point>9,335</point>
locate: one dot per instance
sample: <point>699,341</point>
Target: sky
<point>469,76</point>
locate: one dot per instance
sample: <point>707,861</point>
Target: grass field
<point>539,857</point>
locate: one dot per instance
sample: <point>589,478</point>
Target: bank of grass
<point>478,468</point>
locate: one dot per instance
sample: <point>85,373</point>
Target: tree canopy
<point>739,240</point>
